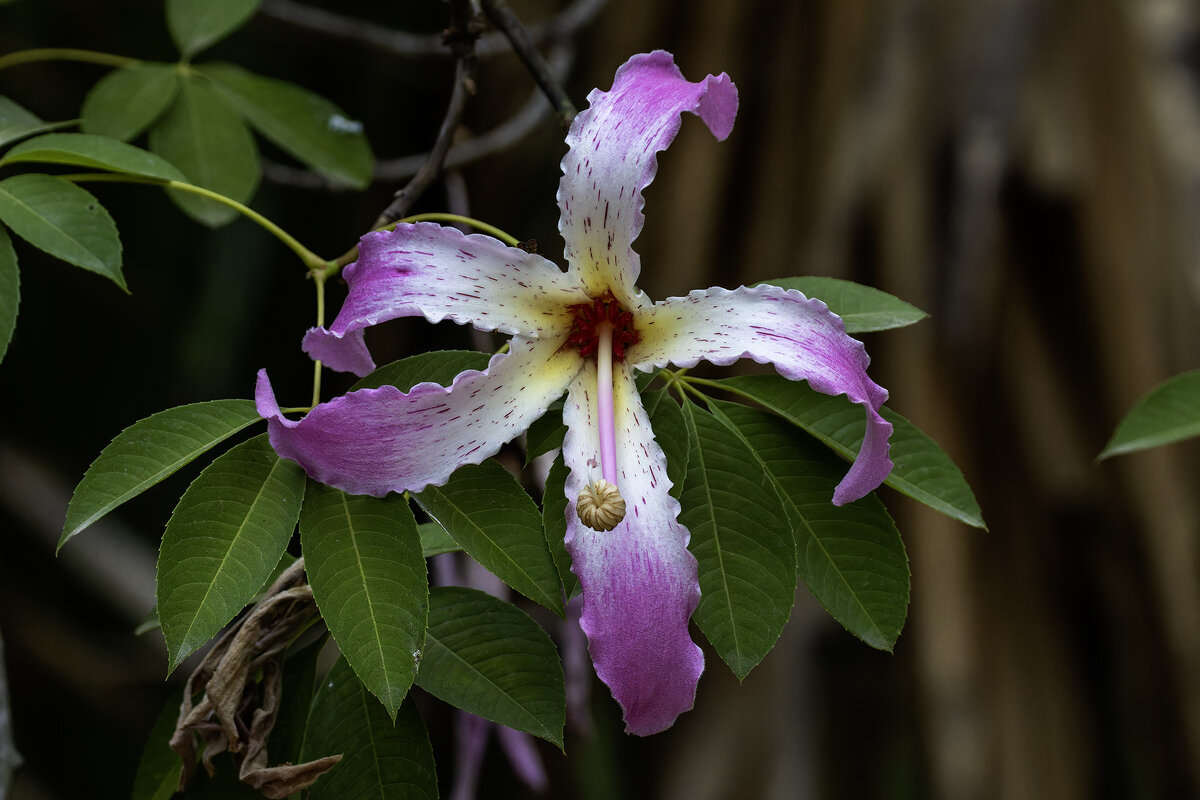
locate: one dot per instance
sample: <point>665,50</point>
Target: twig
<point>461,154</point>
<point>522,43</point>
<point>411,45</point>
<point>464,29</point>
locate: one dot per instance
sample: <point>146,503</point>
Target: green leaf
<point>158,770</point>
<point>554,525</point>
<point>202,136</point>
<point>671,433</point>
<point>364,563</point>
<point>851,557</point>
<point>1169,413</point>
<point>10,291</point>
<point>227,533</point>
<point>435,540</point>
<point>67,222</point>
<point>489,514</point>
<point>17,123</point>
<point>546,433</point>
<point>197,24</point>
<point>743,542</point>
<point>303,124</point>
<point>921,469</point>
<point>380,759</point>
<point>128,100</point>
<point>150,450</point>
<point>438,366</point>
<point>95,152</point>
<point>862,308</point>
<point>488,657</point>
<point>299,685</point>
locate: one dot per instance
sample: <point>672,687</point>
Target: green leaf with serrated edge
<point>364,563</point>
<point>17,123</point>
<point>197,24</point>
<point>126,101</point>
<point>1169,413</point>
<point>490,658</point>
<point>862,308</point>
<point>554,525</point>
<point>95,152</point>
<point>671,433</point>
<point>921,470</point>
<point>743,544</point>
<point>438,366</point>
<point>202,136</point>
<point>303,124</point>
<point>64,220</point>
<point>851,557</point>
<point>299,684</point>
<point>157,775</point>
<point>488,513</point>
<point>10,291</point>
<point>150,450</point>
<point>546,433</point>
<point>380,759</point>
<point>224,537</point>
<point>150,622</point>
<point>435,540</point>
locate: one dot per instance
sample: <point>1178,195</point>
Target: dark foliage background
<point>1026,171</point>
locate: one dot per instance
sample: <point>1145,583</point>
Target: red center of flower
<point>590,316</point>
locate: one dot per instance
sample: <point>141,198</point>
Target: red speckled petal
<point>800,336</point>
<point>613,157</point>
<point>376,441</point>
<point>639,580</point>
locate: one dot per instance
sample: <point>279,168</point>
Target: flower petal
<point>441,273</point>
<point>378,440</point>
<point>798,335</point>
<point>639,580</point>
<point>613,144</point>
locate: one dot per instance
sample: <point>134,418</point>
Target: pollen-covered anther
<point>600,505</point>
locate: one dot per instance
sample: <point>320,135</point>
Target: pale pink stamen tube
<point>604,403</point>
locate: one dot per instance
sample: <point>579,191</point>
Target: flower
<point>581,331</point>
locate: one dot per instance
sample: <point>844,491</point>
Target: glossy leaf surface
<point>202,136</point>
<point>921,470</point>
<point>93,152</point>
<point>64,220</point>
<point>227,533</point>
<point>10,291</point>
<point>380,758</point>
<point>304,124</point>
<point>862,308</point>
<point>743,542</point>
<point>364,563</point>
<point>148,451</point>
<point>851,557</point>
<point>1169,413</point>
<point>126,101</point>
<point>488,657</point>
<point>488,513</point>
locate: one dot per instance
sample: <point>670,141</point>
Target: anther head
<point>600,506</point>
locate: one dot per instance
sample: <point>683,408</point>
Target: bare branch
<point>502,17</point>
<point>412,45</point>
<point>464,29</point>
<point>461,154</point>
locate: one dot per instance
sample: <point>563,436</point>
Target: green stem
<point>65,54</point>
<point>319,282</point>
<point>311,260</point>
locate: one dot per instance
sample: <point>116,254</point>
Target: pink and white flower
<point>583,332</point>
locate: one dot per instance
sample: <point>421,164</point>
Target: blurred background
<point>1027,171</point>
